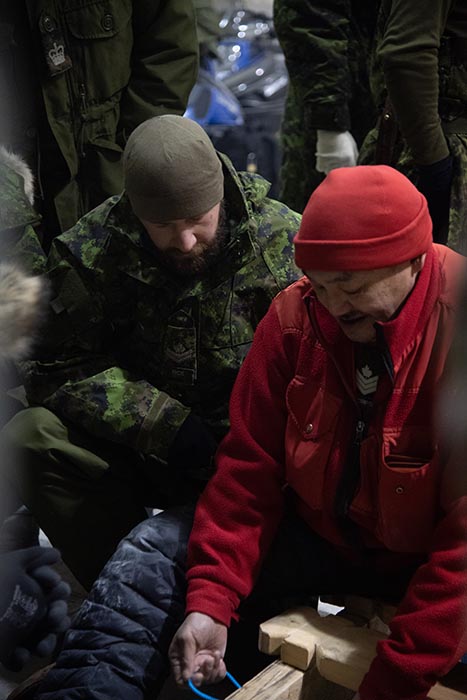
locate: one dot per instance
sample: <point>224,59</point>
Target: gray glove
<point>33,607</point>
<point>335,149</point>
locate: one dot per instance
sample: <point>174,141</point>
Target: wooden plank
<point>347,662</point>
<point>278,681</point>
<point>358,607</point>
<point>298,648</point>
<point>442,692</point>
<point>273,632</point>
<point>341,651</point>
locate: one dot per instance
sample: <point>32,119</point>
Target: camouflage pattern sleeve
<point>28,252</point>
<point>76,373</point>
<point>315,40</point>
<point>113,404</point>
<point>277,225</point>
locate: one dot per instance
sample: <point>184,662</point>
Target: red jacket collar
<point>400,333</point>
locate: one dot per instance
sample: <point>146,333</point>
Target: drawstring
<point>200,694</point>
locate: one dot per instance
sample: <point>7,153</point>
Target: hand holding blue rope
<point>200,693</point>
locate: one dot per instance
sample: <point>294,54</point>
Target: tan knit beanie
<point>171,170</point>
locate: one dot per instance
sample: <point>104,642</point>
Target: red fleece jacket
<point>241,509</point>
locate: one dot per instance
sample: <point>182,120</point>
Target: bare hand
<point>197,650</point>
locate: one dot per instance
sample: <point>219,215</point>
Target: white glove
<point>335,149</point>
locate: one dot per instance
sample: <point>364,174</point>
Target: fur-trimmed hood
<point>16,192</point>
<point>23,299</point>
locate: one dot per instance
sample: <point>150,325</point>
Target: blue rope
<point>200,693</point>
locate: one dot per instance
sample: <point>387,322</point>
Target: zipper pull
<point>83,109</point>
<point>82,98</point>
<point>359,432</point>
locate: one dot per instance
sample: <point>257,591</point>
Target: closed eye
<point>353,292</point>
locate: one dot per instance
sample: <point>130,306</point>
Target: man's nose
<point>184,239</point>
<point>338,305</point>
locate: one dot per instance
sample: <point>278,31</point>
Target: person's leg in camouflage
<point>299,178</point>
<point>457,236</point>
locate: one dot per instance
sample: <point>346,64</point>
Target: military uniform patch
<point>53,43</point>
<point>181,347</point>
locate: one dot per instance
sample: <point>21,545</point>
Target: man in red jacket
<point>330,478</point>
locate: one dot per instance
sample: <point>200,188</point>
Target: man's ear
<point>418,263</point>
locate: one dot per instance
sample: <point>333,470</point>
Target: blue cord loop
<point>200,693</point>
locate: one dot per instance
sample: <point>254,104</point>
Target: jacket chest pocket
<point>227,326</point>
<point>102,35</point>
<point>310,437</point>
<point>166,346</point>
<point>408,492</point>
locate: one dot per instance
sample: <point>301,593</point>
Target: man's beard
<point>198,260</point>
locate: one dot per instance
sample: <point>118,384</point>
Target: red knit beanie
<point>363,218</point>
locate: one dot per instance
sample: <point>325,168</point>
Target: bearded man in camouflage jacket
<point>156,296</point>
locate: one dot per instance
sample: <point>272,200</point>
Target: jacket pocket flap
<point>313,410</point>
<point>99,20</point>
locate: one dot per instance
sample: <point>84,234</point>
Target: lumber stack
<point>340,650</point>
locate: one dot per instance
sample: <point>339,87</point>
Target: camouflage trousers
<point>86,494</point>
<point>298,176</point>
<point>457,232</point>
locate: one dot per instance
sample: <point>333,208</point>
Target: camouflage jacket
<point>130,350</point>
<point>102,68</point>
<point>326,47</point>
<point>18,219</point>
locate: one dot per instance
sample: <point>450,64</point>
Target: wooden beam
<point>348,662</point>
<point>294,635</point>
<point>275,682</point>
<point>360,608</point>
<point>298,648</point>
<point>273,632</point>
<point>341,651</point>
<point>281,682</point>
